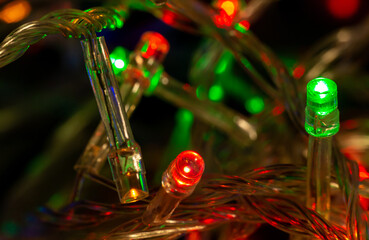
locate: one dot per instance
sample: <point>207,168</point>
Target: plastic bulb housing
<point>124,153</point>
<point>129,174</point>
<point>178,182</point>
<point>153,44</point>
<point>145,62</point>
<point>183,174</point>
<point>321,113</point>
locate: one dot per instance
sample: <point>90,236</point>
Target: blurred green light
<point>200,92</point>
<point>9,229</point>
<point>119,59</point>
<point>119,22</point>
<point>216,93</point>
<point>154,81</point>
<point>242,26</point>
<point>246,63</point>
<point>224,62</point>
<point>56,201</point>
<point>145,47</point>
<point>255,105</point>
<point>119,63</point>
<point>184,116</point>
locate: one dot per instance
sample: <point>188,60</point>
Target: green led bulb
<point>322,116</point>
<point>119,59</point>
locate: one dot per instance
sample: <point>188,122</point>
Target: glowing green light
<point>246,63</point>
<point>224,62</point>
<point>322,116</point>
<point>119,59</point>
<point>242,26</point>
<point>154,81</point>
<point>145,47</point>
<point>216,93</point>
<point>322,96</point>
<point>184,116</point>
<point>200,92</point>
<point>119,22</point>
<point>119,63</point>
<point>321,87</point>
<point>255,105</point>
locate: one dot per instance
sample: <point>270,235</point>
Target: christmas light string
<point>293,218</point>
<point>139,78</point>
<point>70,23</point>
<point>217,204</point>
<point>322,122</point>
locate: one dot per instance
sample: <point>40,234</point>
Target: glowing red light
<point>364,203</point>
<point>343,8</point>
<point>363,174</point>
<point>208,221</point>
<point>265,58</point>
<point>153,44</point>
<point>349,124</point>
<point>278,110</point>
<point>195,235</point>
<point>222,20</point>
<point>230,7</point>
<point>245,24</point>
<point>188,168</point>
<point>227,12</point>
<point>298,72</point>
<point>168,17</point>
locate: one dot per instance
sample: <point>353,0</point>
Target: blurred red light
<point>343,8</point>
<point>156,44</point>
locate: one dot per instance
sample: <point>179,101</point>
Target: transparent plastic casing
<point>183,174</point>
<point>128,174</point>
<point>124,155</point>
<point>321,113</point>
<point>178,182</point>
<point>145,61</point>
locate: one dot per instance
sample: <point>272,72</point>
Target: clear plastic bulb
<point>153,44</point>
<point>178,182</point>
<point>322,116</point>
<point>124,156</point>
<point>183,174</point>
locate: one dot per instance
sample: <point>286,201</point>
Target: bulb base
<point>160,208</point>
<point>321,125</point>
<point>128,174</point>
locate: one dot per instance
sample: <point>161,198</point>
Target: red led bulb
<point>153,44</point>
<point>178,182</point>
<point>227,12</point>
<point>183,173</point>
<point>188,168</point>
